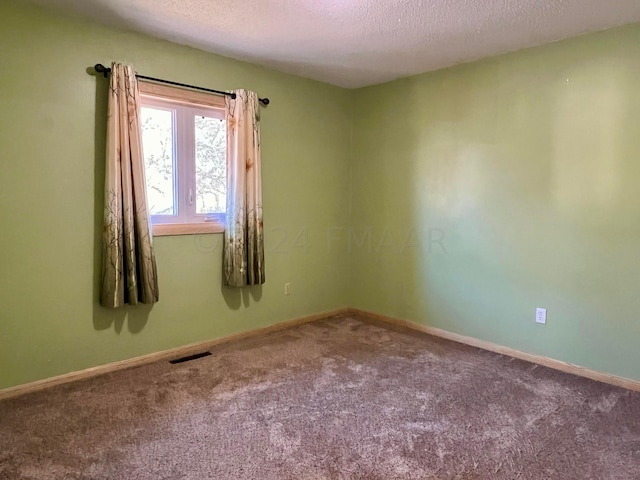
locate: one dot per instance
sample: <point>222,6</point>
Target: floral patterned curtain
<point>244,241</point>
<point>128,262</point>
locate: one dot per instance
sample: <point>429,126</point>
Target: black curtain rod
<point>106,71</point>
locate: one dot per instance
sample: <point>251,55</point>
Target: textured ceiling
<point>353,43</point>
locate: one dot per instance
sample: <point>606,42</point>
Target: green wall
<point>52,123</point>
<point>523,172</point>
<point>461,199</point>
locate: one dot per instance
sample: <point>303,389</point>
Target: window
<point>184,146</point>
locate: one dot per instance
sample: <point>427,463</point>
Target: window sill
<point>186,228</point>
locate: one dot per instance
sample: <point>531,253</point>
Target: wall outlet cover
<point>541,315</point>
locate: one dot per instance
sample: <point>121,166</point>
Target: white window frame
<point>185,104</point>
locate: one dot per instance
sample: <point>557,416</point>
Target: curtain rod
<point>106,71</point>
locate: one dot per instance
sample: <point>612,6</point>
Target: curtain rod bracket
<point>99,68</point>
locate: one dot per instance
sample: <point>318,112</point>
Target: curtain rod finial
<point>102,69</point>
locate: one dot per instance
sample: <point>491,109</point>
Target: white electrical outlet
<point>287,288</point>
<point>541,315</point>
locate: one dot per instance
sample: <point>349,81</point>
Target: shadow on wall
<point>104,318</point>
<point>136,317</point>
<point>236,297</point>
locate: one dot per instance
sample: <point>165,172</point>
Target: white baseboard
<point>154,357</point>
<point>511,352</point>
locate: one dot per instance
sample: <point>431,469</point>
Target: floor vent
<point>190,357</point>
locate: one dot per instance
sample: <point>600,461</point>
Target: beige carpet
<point>339,398</point>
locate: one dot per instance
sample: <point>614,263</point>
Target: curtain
<point>244,240</point>
<point>128,263</point>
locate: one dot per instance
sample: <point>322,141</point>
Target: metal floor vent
<point>190,357</point>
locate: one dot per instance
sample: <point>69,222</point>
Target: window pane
<point>211,165</point>
<point>157,145</point>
